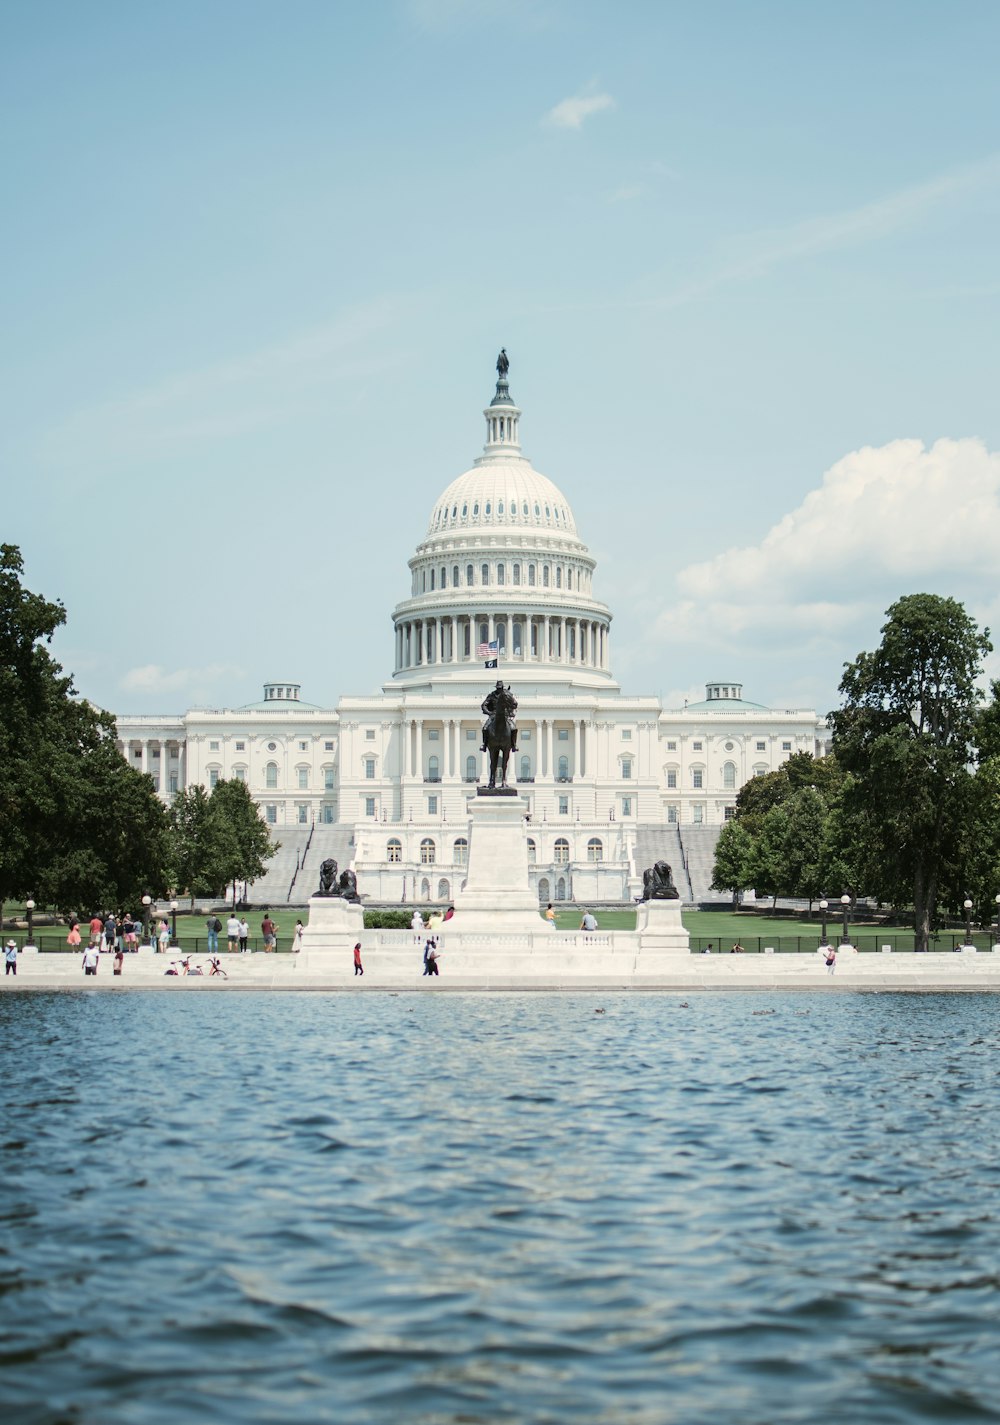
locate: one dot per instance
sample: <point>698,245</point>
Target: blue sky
<point>259,260</point>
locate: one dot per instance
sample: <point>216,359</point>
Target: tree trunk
<point>924,888</point>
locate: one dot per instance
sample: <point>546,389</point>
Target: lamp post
<point>845,901</point>
<point>173,922</point>
<point>824,906</point>
<point>147,901</point>
<point>967,907</point>
<point>30,908</point>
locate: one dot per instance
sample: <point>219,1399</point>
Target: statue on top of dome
<point>503,365</point>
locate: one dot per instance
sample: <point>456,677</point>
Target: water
<point>455,1209</point>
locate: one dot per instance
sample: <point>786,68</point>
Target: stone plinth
<point>660,928</point>
<point>334,926</point>
<point>497,896</point>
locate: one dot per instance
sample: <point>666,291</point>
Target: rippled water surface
<point>486,1208</point>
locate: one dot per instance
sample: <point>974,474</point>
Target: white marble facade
<point>501,561</point>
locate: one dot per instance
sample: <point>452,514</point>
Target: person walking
<point>431,957</point>
<point>213,925</point>
<point>244,934</point>
<point>550,916</point>
<point>233,932</point>
<point>73,938</point>
<point>831,960</point>
<point>269,932</point>
<point>91,958</point>
<point>10,959</point>
<point>359,969</point>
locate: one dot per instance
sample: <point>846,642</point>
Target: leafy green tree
<point>806,814</point>
<point>767,867</point>
<point>907,732</point>
<point>235,810</point>
<point>204,846</point>
<point>78,826</point>
<point>730,871</point>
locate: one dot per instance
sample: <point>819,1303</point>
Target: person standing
<point>233,931</point>
<point>91,958</point>
<point>297,935</point>
<point>416,921</point>
<point>10,959</point>
<point>244,935</point>
<point>269,932</point>
<point>359,969</point>
<point>213,925</point>
<point>96,926</point>
<point>110,931</point>
<point>550,916</point>
<point>164,936</point>
<point>73,938</point>
<point>119,960</point>
<point>831,960</point>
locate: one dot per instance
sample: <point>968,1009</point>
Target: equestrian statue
<point>499,730</point>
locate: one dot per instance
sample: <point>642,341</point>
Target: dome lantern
<point>502,416</point>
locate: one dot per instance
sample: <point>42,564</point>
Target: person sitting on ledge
<point>589,921</point>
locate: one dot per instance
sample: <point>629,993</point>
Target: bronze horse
<point>499,735</point>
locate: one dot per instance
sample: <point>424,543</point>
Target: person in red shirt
<point>267,929</point>
<point>96,927</point>
<point>359,969</point>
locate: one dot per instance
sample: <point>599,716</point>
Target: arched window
<point>469,574</point>
<point>517,574</point>
<point>729,775</point>
<point>531,575</point>
<point>471,768</point>
<point>454,576</point>
<point>500,634</point>
<point>562,852</point>
<point>271,774</point>
<point>563,769</point>
<point>545,576</point>
<point>428,852</point>
<point>517,635</point>
<point>543,890</point>
<point>485,573</point>
<point>444,891</point>
<point>394,850</point>
<point>532,850</point>
<point>525,769</point>
<point>558,577</point>
<point>461,852</point>
<point>425,889</point>
<point>501,573</point>
<point>444,577</point>
<point>561,889</point>
<point>432,579</point>
<point>595,849</point>
<point>433,769</point>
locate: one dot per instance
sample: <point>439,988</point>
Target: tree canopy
<point>78,826</point>
<point>219,838</point>
<point>907,732</point>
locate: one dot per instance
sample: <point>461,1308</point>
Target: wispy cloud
<point>571,113</point>
<point>764,250</point>
<point>194,683</point>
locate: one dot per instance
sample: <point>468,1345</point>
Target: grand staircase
<point>293,873</point>
<point>689,850</point>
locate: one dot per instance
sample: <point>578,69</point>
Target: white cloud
<point>884,522</point>
<point>570,113</point>
<point>195,683</point>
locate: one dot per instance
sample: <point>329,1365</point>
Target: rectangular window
<point>433,734</point>
<point>696,747</point>
<point>672,815</point>
<point>328,746</point>
<point>173,781</point>
<point>697,778</point>
<point>369,734</point>
<point>564,734</point>
<point>626,734</point>
<point>786,747</point>
<point>303,814</point>
<point>432,806</point>
<point>271,815</point>
<point>525,736</point>
<point>626,806</point>
<point>241,747</point>
<point>213,776</point>
<point>627,768</point>
<point>240,773</point>
<point>471,735</point>
<point>761,746</point>
<point>212,747</point>
<point>564,806</point>
<point>328,783</point>
<point>671,778</point>
<point>328,815</point>
<point>370,768</point>
<point>699,814</point>
<point>303,778</point>
<point>671,746</point>
<point>369,806</point>
<point>303,747</point>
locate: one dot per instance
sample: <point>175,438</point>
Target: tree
<point>805,813</point>
<point>907,733</point>
<point>78,826</point>
<point>204,848</point>
<point>249,841</point>
<point>730,871</point>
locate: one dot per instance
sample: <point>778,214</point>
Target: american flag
<point>490,652</point>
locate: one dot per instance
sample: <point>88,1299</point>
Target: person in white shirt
<point>244,935</point>
<point>589,921</point>
<point>233,932</point>
<point>416,921</point>
<point>91,959</point>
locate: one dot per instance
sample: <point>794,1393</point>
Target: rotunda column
<point>419,769</point>
<point>549,730</point>
<point>144,759</point>
<point>576,747</point>
<point>546,649</point>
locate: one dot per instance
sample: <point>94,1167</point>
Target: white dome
<point>502,493</point>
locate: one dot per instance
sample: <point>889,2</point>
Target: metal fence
<point>866,944</point>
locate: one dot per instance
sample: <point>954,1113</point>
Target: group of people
<point>238,934</point>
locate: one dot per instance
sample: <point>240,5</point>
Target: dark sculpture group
<point>344,887</point>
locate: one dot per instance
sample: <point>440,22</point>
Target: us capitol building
<point>608,781</point>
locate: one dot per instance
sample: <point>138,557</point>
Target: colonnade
<point>539,744</point>
<point>535,638</point>
<point>155,755</point>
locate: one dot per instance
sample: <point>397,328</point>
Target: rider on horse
<point>490,704</point>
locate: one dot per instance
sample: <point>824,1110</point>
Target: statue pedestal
<point>497,896</point>
<point>334,926</point>
<point>659,927</point>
